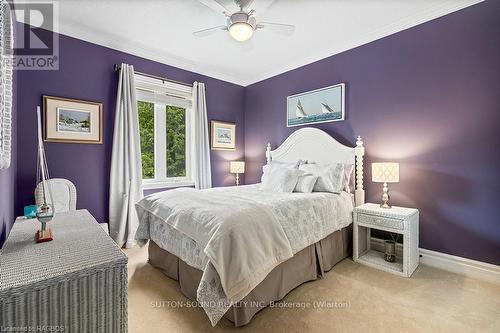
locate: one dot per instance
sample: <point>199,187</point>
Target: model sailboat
<point>45,209</point>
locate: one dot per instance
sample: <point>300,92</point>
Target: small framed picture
<point>71,120</point>
<point>223,135</point>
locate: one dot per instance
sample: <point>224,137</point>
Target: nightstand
<point>400,220</point>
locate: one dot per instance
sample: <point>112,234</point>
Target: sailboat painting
<point>317,106</point>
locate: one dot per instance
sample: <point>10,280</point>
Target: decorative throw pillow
<point>330,176</point>
<point>280,179</point>
<point>305,182</point>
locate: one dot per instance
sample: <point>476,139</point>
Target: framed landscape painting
<point>72,120</point>
<point>317,106</point>
<point>223,135</point>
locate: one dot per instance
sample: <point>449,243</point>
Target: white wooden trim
<point>313,144</point>
<point>163,87</point>
<point>467,267</point>
<point>153,185</point>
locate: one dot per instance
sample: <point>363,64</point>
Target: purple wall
<point>86,72</point>
<point>427,97</point>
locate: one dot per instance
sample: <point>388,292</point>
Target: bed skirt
<point>306,265</point>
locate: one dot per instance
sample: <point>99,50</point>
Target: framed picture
<point>223,135</point>
<point>317,106</point>
<point>72,120</point>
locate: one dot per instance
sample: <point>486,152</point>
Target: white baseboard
<point>468,267</point>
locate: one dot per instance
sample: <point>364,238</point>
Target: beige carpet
<point>367,300</point>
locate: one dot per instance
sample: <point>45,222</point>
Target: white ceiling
<point>161,30</point>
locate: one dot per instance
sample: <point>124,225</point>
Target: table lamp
<point>237,167</point>
<point>385,173</point>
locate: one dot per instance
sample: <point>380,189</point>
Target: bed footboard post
<point>268,153</point>
<point>359,193</point>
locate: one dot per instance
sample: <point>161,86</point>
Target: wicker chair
<point>63,196</point>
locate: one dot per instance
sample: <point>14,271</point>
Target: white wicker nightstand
<point>398,220</point>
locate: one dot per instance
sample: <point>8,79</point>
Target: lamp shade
<point>237,167</point>
<point>385,172</point>
<point>241,31</point>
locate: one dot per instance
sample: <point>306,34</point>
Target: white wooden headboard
<point>313,144</point>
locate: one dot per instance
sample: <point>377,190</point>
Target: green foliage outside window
<point>147,132</point>
<point>175,136</point>
<point>176,141</point>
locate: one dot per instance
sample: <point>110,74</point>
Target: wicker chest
<point>75,283</point>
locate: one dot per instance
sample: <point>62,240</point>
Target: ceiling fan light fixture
<point>241,31</point>
<point>241,24</point>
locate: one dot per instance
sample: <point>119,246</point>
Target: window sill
<point>160,185</point>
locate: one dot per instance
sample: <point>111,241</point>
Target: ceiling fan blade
<point>280,28</point>
<point>216,6</point>
<point>259,5</point>
<point>209,31</point>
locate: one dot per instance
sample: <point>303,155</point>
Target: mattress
<point>258,229</point>
<point>190,252</point>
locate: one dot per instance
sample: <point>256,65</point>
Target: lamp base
<point>42,236</point>
<point>385,197</point>
<point>385,205</point>
<point>237,179</point>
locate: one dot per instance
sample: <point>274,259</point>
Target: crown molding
<point>113,41</point>
<point>116,42</point>
<point>371,36</point>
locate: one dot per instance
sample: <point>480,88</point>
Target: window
<point>165,128</point>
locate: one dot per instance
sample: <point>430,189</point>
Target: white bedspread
<point>244,233</point>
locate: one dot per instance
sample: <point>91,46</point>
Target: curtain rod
<point>117,68</point>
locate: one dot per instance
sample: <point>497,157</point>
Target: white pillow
<point>348,169</point>
<point>305,183</point>
<point>280,179</point>
<point>277,164</point>
<point>330,176</point>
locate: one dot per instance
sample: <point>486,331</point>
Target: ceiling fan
<point>242,24</point>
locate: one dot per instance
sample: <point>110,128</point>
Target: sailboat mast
<point>41,159</point>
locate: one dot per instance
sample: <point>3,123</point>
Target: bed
<point>237,249</point>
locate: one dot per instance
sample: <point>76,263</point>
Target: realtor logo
<point>36,46</point>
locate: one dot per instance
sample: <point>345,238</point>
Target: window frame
<point>161,178</point>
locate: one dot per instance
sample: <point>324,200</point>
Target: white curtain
<point>126,166</point>
<point>203,173</point>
